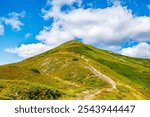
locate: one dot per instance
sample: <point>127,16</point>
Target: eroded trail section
<point>102,76</point>
<point>90,94</point>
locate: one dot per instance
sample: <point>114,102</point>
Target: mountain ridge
<point>75,70</point>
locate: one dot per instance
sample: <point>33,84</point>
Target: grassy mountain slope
<point>74,70</point>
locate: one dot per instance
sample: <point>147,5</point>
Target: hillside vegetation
<point>75,70</point>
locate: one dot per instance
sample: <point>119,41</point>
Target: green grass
<point>61,73</point>
<point>27,91</point>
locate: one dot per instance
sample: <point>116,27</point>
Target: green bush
<point>29,91</point>
<point>40,93</point>
<point>75,59</point>
<point>35,70</point>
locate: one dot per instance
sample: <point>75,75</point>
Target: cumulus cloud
<point>111,26</point>
<point>1,29</point>
<point>29,50</point>
<point>56,5</point>
<point>15,23</point>
<point>142,50</point>
<point>14,20</point>
<point>54,36</point>
<point>28,35</point>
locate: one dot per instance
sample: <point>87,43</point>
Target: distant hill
<point>75,70</point>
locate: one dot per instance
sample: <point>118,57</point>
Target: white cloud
<point>59,3</point>
<point>54,36</point>
<point>29,50</point>
<point>1,29</point>
<point>142,50</point>
<point>110,26</point>
<point>114,2</point>
<point>15,23</point>
<point>56,5</point>
<point>28,35</point>
<point>16,15</point>
<point>14,20</point>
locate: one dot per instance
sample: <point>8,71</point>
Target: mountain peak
<point>72,42</point>
<point>80,68</point>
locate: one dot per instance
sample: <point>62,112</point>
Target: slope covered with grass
<point>75,70</point>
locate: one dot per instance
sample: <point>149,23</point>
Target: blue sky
<point>30,27</point>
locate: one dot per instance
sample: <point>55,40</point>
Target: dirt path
<point>102,76</point>
<point>88,94</point>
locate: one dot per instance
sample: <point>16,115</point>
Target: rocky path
<point>88,94</point>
